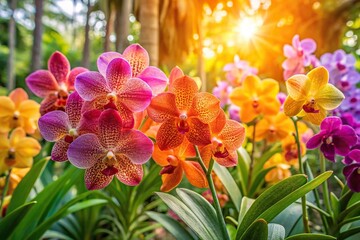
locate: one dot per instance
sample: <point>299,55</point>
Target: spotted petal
<point>155,78</point>
<point>59,151</point>
<point>135,95</point>
<point>205,106</point>
<point>90,85</point>
<point>42,83</point>
<point>73,108</point>
<point>110,124</point>
<point>135,145</point>
<point>72,76</point>
<point>54,125</point>
<point>170,181</point>
<point>138,58</point>
<point>184,89</point>
<point>48,104</point>
<point>95,179</point>
<point>175,73</point>
<point>232,135</point>
<point>168,135</point>
<point>199,133</point>
<point>118,73</point>
<point>85,151</point>
<point>59,66</point>
<point>129,173</point>
<point>163,107</point>
<point>104,60</point>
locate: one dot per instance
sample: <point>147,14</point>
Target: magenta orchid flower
<point>54,84</point>
<point>299,56</point>
<point>114,151</point>
<point>138,58</point>
<point>115,88</point>
<point>333,138</point>
<point>63,127</point>
<point>352,171</point>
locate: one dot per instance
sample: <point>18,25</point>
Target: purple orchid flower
<point>352,171</point>
<point>333,138</point>
<point>222,92</point>
<point>63,127</point>
<point>237,71</point>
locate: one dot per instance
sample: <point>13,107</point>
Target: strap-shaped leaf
<point>187,216</point>
<point>258,230</point>
<point>259,180</point>
<point>170,224</point>
<point>8,223</point>
<point>23,189</point>
<point>230,184</point>
<point>276,232</point>
<point>310,236</point>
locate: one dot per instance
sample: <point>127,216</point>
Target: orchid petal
<point>232,135</point>
<point>72,76</point>
<point>138,58</point>
<point>199,133</point>
<point>163,107</point>
<point>175,73</point>
<point>170,181</point>
<point>308,45</point>
<point>315,118</point>
<point>184,89</point>
<point>59,66</point>
<point>89,122</point>
<point>95,179</point>
<point>160,157</point>
<point>18,95</point>
<point>205,106</point>
<point>298,87</point>
<point>118,73</point>
<point>7,107</point>
<point>59,151</point>
<point>289,51</point>
<point>27,147</point>
<point>229,161</point>
<point>104,60</point>
<point>16,135</point>
<point>329,97</point>
<point>85,151</point>
<point>90,85</point>
<point>319,77</point>
<point>54,125</point>
<point>126,114</point>
<point>331,124</point>
<point>110,124</point>
<point>269,87</point>
<point>29,109</point>
<point>292,107</point>
<point>73,108</point>
<point>194,174</point>
<point>251,84</point>
<point>129,173</point>
<point>155,78</point>
<point>168,135</point>
<point>329,151</point>
<point>353,178</point>
<point>48,104</point>
<point>42,83</point>
<point>316,140</point>
<point>218,124</point>
<point>135,95</point>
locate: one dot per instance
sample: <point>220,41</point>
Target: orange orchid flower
<point>272,128</point>
<point>183,113</point>
<point>17,150</point>
<point>256,97</point>
<point>174,164</point>
<point>280,172</point>
<point>310,96</point>
<point>226,137</point>
<point>17,174</point>
<point>18,111</point>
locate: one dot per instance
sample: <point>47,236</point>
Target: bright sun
<point>248,27</point>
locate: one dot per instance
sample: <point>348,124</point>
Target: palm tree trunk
<point>149,35</point>
<point>109,25</point>
<point>86,51</point>
<point>122,24</point>
<point>12,39</point>
<point>37,36</point>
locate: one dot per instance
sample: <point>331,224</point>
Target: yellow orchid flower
<point>17,174</point>
<point>18,111</point>
<point>256,97</point>
<point>310,96</point>
<point>17,150</point>
<point>280,172</point>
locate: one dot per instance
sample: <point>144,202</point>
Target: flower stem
<point>301,169</point>
<point>6,187</point>
<point>213,192</point>
<point>325,185</point>
<point>251,167</point>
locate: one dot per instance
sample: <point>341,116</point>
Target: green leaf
<point>23,189</point>
<point>245,205</point>
<point>258,230</point>
<point>202,209</point>
<point>171,225</point>
<point>268,198</point>
<point>187,215</point>
<point>9,222</point>
<point>276,232</point>
<point>259,180</point>
<point>290,219</point>
<point>259,163</point>
<point>229,183</point>
<point>310,236</point>
<point>243,168</point>
<point>348,233</point>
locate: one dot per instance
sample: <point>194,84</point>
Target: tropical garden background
<point>266,155</point>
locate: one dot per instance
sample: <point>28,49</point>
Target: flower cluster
<point>95,128</point>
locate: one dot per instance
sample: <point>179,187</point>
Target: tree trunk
<point>37,36</point>
<point>122,24</point>
<point>12,39</point>
<point>86,51</point>
<point>149,35</point>
<point>109,25</point>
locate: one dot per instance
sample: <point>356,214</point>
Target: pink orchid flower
<point>116,88</point>
<point>55,84</point>
<point>114,151</point>
<point>138,58</point>
<point>63,127</point>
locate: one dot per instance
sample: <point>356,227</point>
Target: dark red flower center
<point>169,169</point>
<point>109,171</point>
<point>182,124</point>
<point>340,66</point>
<point>310,107</point>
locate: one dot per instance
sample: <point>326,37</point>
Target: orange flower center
<point>255,103</point>
<point>182,124</point>
<point>10,159</point>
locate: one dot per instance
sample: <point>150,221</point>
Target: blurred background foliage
<point>199,36</point>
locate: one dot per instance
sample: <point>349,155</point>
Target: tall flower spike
<point>54,84</point>
<point>114,151</point>
<point>63,127</point>
<point>310,96</point>
<point>119,90</point>
<point>183,112</point>
<point>138,58</point>
<point>18,110</point>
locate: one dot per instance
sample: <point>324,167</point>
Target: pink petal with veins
<point>117,73</point>
<point>59,66</point>
<point>95,179</point>
<point>59,151</point>
<point>54,125</point>
<point>138,58</point>
<point>104,60</point>
<point>72,76</point>
<point>135,145</point>
<point>129,173</point>
<point>91,85</point>
<point>85,151</point>
<point>110,124</point>
<point>73,108</point>
<point>155,78</point>
<point>135,95</point>
<point>42,83</point>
